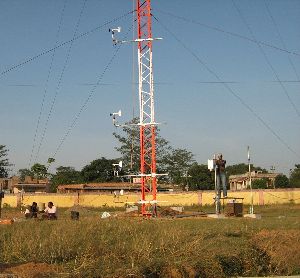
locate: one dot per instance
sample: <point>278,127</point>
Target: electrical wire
<point>281,39</point>
<point>229,89</point>
<point>162,83</point>
<point>45,52</point>
<point>227,32</point>
<point>85,103</point>
<point>60,79</point>
<point>191,82</point>
<point>267,59</point>
<point>47,82</point>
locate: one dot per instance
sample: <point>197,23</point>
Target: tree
<point>130,147</point>
<point>177,163</point>
<point>99,170</point>
<point>281,181</point>
<point>200,178</point>
<point>39,171</point>
<point>25,172</point>
<point>260,183</point>
<point>50,160</point>
<point>295,176</point>
<point>4,162</point>
<point>242,168</point>
<point>65,175</point>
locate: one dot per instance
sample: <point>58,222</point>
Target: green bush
<point>260,184</point>
<point>281,181</point>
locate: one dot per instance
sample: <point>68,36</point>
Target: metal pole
<point>250,182</point>
<point>216,190</point>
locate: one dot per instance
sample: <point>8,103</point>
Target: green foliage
<point>200,178</point>
<point>25,172</point>
<point>242,168</point>
<point>177,163</point>
<point>281,181</point>
<point>65,175</point>
<point>39,171</point>
<point>237,169</point>
<point>99,170</point>
<point>295,176</point>
<point>260,183</point>
<point>4,162</point>
<point>129,147</point>
<point>50,160</point>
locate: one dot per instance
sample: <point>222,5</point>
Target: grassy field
<point>162,247</point>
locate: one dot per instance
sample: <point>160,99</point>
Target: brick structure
<point>14,184</point>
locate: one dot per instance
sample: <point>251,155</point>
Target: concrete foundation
<point>253,215</point>
<point>219,216</point>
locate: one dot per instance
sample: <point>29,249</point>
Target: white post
<point>216,190</point>
<point>250,182</point>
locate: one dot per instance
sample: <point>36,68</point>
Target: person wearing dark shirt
<point>32,211</point>
<point>221,176</point>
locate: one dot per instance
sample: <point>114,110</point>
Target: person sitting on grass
<point>50,212</point>
<point>27,212</point>
<point>31,211</point>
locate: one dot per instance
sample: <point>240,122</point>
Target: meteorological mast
<point>147,124</point>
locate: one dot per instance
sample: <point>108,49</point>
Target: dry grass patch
<point>135,247</point>
<point>32,270</point>
<point>283,248</point>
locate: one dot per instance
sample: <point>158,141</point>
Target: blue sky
<point>202,116</point>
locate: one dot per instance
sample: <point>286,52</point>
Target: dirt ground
<point>28,270</point>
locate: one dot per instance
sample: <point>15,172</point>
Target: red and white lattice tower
<point>146,103</point>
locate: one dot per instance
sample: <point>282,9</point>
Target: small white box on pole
<point>210,164</point>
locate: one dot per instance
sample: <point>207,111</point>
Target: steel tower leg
<point>146,102</point>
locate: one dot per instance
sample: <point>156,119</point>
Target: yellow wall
<point>260,197</point>
<point>11,200</point>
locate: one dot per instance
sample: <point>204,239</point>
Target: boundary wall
<point>200,198</point>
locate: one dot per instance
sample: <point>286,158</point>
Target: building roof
<point>254,174</point>
<point>105,186</point>
<point>37,185</point>
<point>94,186</point>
